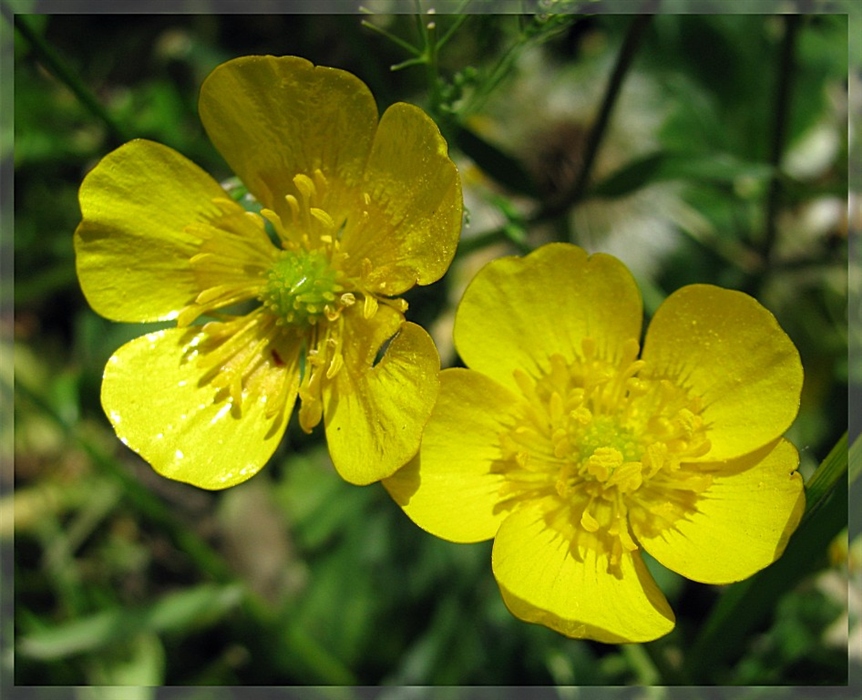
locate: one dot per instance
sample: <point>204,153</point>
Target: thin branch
<point>781,114</point>
<point>594,139</point>
<point>597,132</point>
<point>55,65</point>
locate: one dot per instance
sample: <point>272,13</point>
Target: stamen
<point>369,306</point>
<point>588,522</point>
<point>294,207</point>
<point>323,218</point>
<point>311,410</point>
<point>602,437</point>
<point>320,180</point>
<point>230,353</point>
<point>305,185</point>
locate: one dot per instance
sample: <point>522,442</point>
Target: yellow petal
<point>518,311</point>
<point>452,488</point>
<point>161,406</point>
<point>730,351</point>
<point>132,252</point>
<point>374,414</point>
<point>272,118</point>
<point>413,206</point>
<point>739,525</point>
<point>544,579</point>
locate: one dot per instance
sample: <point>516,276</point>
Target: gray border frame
<point>849,7</point>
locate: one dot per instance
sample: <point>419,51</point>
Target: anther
<point>305,185</point>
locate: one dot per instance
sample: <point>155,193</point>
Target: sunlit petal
<point>163,405</point>
<point>374,413</point>
<point>740,524</point>
<point>132,247</point>
<point>727,349</point>
<point>574,590</point>
<point>412,216</point>
<point>454,488</point>
<point>517,312</point>
<point>272,118</point>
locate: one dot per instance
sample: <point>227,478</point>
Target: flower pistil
<point>602,440</point>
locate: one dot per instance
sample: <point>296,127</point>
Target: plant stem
<point>641,663</point>
<point>781,115</point>
<point>204,557</point>
<point>743,606</point>
<point>55,65</point>
<point>594,138</point>
<point>832,469</point>
<point>597,132</point>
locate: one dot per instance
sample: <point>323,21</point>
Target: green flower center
<point>606,432</point>
<point>301,287</point>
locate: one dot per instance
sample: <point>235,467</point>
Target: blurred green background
<point>724,160</point>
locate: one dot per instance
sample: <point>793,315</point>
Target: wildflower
<point>298,299</point>
<point>574,454</point>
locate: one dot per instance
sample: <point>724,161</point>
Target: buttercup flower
<point>575,454</point>
<point>300,298</point>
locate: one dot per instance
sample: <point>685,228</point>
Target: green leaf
<point>854,459</point>
<point>822,482</point>
<point>501,166</point>
<point>139,661</point>
<point>715,168</point>
<point>197,606</point>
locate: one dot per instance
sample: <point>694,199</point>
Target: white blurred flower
<point>843,584</point>
<point>543,115</point>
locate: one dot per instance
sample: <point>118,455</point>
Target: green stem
<point>641,663</point>
<point>55,65</point>
<point>781,112</point>
<point>597,132</point>
<point>144,501</point>
<point>459,20</point>
<point>398,41</point>
<point>296,643</point>
<point>854,459</point>
<point>427,27</point>
<point>831,470</point>
<point>594,139</point>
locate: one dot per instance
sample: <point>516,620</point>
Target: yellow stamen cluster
<point>600,440</point>
<point>303,286</point>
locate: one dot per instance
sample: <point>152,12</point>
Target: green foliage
<point>124,578</point>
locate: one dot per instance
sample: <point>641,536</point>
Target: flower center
<point>604,433</point>
<point>301,287</point>
<point>600,440</point>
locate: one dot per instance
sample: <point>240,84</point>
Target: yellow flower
<point>573,453</point>
<point>301,298</point>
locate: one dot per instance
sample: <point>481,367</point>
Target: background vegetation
<point>699,148</point>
